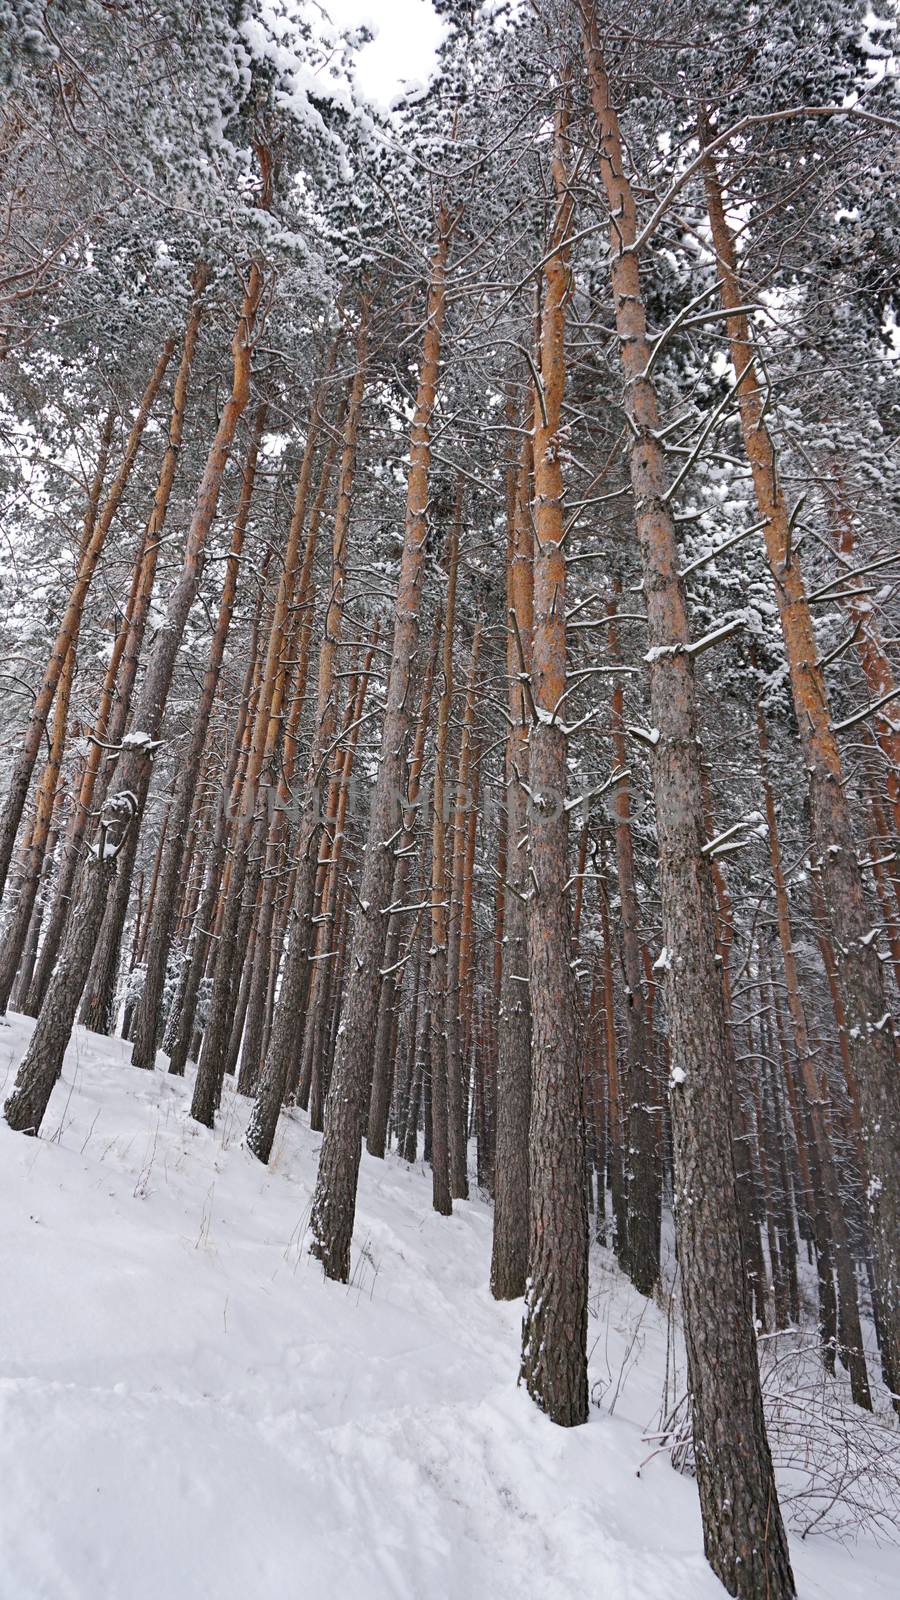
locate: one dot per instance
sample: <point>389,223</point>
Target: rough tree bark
<point>28,754</point>
<point>870,1034</point>
<point>852,1351</point>
<point>318,1020</point>
<point>554,1324</point>
<point>255,824</point>
<point>379,1099</point>
<point>273,1078</point>
<point>334,1201</point>
<point>180,1027</point>
<point>115,697</point>
<point>873,657</point>
<point>457,1061</point>
<point>615,1131</point>
<point>132,775</point>
<point>271,931</point>
<point>161,922</point>
<point>442,1195</point>
<point>641,1175</point>
<point>34,855</point>
<point>744,1536</point>
<point>42,1063</point>
<point>509,1253</point>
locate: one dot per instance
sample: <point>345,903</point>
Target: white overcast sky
<point>407,35</point>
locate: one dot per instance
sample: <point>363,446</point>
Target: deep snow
<point>190,1410</point>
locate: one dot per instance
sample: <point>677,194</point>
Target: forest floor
<point>189,1410</point>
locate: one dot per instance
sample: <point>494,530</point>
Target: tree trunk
<point>641,1259</point>
<point>509,1254</point>
<point>870,1036</point>
<point>112,711</point>
<point>270,932</point>
<point>554,1324</point>
<point>42,1063</point>
<point>334,1201</point>
<point>180,1026</point>
<point>872,658</point>
<point>287,1023</point>
<point>132,776</point>
<point>379,1100</point>
<point>442,1193</point>
<point>147,1020</point>
<point>17,931</point>
<point>98,1004</point>
<point>744,1536</point>
<point>852,1352</point>
<point>25,761</point>
<point>457,1060</point>
<point>615,1132</point>
<point>317,1018</point>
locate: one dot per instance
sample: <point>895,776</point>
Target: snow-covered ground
<point>189,1410</point>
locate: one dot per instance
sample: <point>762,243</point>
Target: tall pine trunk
<point>286,1032</point>
<point>869,1034</point>
<point>115,697</point>
<point>161,922</point>
<point>334,1200</point>
<point>29,882</point>
<point>744,1536</point>
<point>442,1193</point>
<point>509,1254</point>
<point>25,761</point>
<point>41,1064</point>
<point>379,1100</point>
<point>457,1060</point>
<point>554,1324</point>
<point>641,1176</point>
<point>852,1352</point>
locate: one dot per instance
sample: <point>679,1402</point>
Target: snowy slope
<point>189,1409</point>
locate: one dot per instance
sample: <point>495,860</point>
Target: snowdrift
<point>190,1410</point>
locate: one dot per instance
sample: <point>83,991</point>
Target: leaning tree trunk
<point>25,761</point>
<point>29,954</point>
<point>147,1020</point>
<point>132,776</point>
<point>744,1536</point>
<point>42,1062</point>
<point>334,1201</point>
<point>869,1028</point>
<point>98,1004</point>
<point>554,1325</point>
<point>29,882</point>
<point>115,697</point>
